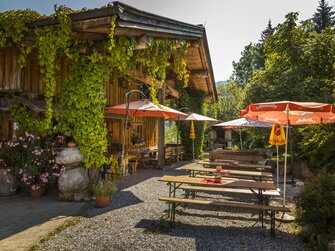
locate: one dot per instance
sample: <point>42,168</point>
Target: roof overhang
<point>131,22</point>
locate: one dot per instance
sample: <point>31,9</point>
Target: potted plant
<point>102,191</point>
<point>71,143</point>
<point>29,164</point>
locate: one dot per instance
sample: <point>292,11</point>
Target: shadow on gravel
<point>119,200</point>
<point>220,238</point>
<point>143,174</point>
<point>220,217</point>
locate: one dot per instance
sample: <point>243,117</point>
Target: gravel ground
<point>135,220</point>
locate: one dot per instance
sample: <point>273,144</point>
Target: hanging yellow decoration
<point>277,136</point>
<point>192,132</point>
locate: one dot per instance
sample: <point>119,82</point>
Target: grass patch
<point>65,225</point>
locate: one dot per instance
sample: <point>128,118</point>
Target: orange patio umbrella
<point>290,113</point>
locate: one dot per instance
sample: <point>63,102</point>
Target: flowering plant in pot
<point>41,170</point>
<point>29,164</point>
<point>102,191</point>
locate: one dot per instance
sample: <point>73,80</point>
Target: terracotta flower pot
<point>71,144</point>
<point>39,192</point>
<point>102,201</point>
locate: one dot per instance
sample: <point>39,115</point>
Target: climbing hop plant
<point>51,43</point>
<point>13,25</point>
<point>83,98</point>
<point>82,106</point>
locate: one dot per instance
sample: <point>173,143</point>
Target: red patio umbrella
<point>290,113</point>
<point>145,108</point>
<point>140,108</point>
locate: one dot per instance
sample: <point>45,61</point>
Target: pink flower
<point>35,187</point>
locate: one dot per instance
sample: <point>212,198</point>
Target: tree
<point>252,59</point>
<point>230,97</point>
<point>267,32</point>
<point>324,16</point>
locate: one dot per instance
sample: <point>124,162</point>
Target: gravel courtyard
<point>136,220</point>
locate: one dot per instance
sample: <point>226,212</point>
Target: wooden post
<point>161,132</point>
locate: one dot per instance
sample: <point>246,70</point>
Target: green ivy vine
<point>13,25</point>
<point>83,95</point>
<point>82,104</point>
<point>192,99</point>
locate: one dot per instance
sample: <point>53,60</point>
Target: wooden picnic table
<point>233,165</point>
<point>225,182</point>
<point>194,171</point>
<point>229,185</point>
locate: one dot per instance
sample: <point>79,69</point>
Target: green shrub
<point>315,204</point>
<point>103,188</point>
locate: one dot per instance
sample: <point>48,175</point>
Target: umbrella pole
<point>277,166</point>
<point>241,139</point>
<point>193,149</point>
<point>285,164</point>
<point>124,134</point>
<point>176,150</point>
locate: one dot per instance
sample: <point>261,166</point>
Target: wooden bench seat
<point>168,156</point>
<point>227,190</point>
<point>241,156</point>
<point>179,152</point>
<point>176,201</point>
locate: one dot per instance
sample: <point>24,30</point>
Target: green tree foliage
<point>230,97</point>
<point>315,204</point>
<point>316,145</point>
<point>252,59</point>
<point>299,65</point>
<point>267,32</point>
<point>324,16</point>
<point>193,100</point>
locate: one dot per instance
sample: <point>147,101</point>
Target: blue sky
<point>230,24</point>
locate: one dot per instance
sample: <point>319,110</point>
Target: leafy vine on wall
<point>88,73</point>
<point>194,100</point>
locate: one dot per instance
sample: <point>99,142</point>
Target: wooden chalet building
<point>27,83</point>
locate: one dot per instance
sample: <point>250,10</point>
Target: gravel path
<point>135,221</point>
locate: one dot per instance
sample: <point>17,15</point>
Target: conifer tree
<point>324,16</point>
<point>267,32</point>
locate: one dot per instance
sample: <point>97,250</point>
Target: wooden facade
<point>95,25</point>
<point>29,82</point>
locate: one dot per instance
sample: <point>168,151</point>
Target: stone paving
<point>25,220</point>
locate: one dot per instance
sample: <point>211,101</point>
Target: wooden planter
<point>102,201</point>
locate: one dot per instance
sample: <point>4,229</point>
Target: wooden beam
<point>142,77</point>
<point>88,35</point>
<point>143,43</point>
<point>104,22</point>
<point>196,44</point>
<point>172,92</point>
<point>199,74</point>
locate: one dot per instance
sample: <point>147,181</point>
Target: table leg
<point>170,188</point>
